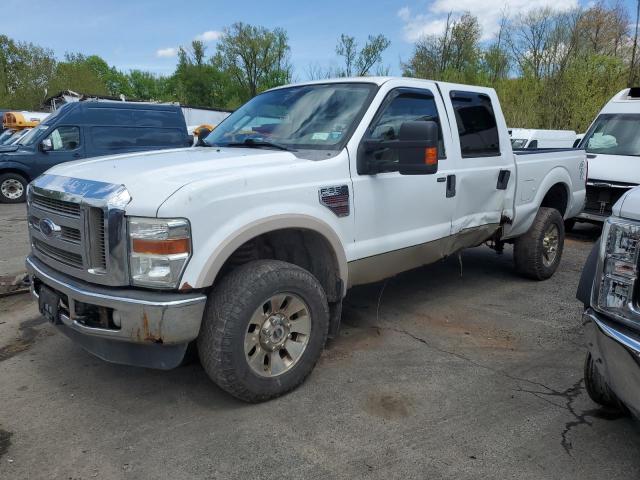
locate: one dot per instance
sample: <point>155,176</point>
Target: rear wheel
<point>597,387</point>
<point>13,188</point>
<point>264,329</point>
<point>537,253</point>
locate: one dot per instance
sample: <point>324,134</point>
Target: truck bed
<point>537,171</point>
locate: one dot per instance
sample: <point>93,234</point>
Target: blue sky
<point>142,34</point>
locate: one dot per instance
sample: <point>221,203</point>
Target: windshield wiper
<point>251,143</point>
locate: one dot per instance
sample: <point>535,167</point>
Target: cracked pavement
<point>434,375</point>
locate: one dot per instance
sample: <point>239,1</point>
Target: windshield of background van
<point>614,134</point>
<point>307,117</point>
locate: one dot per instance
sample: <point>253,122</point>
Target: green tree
<point>360,62</point>
<point>254,58</point>
<point>25,71</point>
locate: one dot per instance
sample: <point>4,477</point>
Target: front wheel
<point>537,253</point>
<point>13,188</point>
<point>264,329</point>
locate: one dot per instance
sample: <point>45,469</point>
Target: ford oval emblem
<point>48,227</point>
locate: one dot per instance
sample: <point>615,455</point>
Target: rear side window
<point>136,137</point>
<point>476,124</point>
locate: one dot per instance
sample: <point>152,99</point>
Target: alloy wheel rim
<point>277,335</point>
<point>550,245</point>
<point>12,189</point>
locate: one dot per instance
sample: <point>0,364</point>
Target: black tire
<point>528,250</point>
<point>597,387</point>
<point>569,224</point>
<point>13,188</point>
<point>227,319</point>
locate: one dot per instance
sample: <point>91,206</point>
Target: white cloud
<point>167,52</point>
<point>209,36</point>
<point>488,12</point>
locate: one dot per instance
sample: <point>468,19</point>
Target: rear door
<point>486,166</point>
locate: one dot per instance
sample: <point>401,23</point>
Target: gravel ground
<point>437,373</point>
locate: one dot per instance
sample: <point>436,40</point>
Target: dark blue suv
<point>88,129</point>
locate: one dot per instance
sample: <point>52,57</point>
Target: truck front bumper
<point>121,325</point>
<point>616,351</point>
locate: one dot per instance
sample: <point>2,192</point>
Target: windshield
<point>614,134</point>
<point>17,136</point>
<point>6,135</point>
<point>319,117</point>
<point>33,134</point>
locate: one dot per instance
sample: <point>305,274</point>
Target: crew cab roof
<point>382,80</point>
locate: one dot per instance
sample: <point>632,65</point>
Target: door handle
<point>76,155</point>
<point>503,179</point>
<point>451,186</point>
<point>442,179</point>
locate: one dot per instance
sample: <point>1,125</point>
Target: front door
<point>402,218</point>
<point>66,145</point>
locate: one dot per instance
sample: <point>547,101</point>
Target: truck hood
<point>614,168</point>
<point>8,148</point>
<point>629,205</point>
<point>151,177</point>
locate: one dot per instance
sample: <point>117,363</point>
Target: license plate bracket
<point>49,304</point>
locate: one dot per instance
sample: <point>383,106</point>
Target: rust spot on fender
<point>186,287</point>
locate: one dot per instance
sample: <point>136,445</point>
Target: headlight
<point>619,264</point>
<point>159,249</point>
<point>518,143</point>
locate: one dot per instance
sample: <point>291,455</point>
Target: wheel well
<point>16,171</point>
<point>306,248</point>
<point>557,197</point>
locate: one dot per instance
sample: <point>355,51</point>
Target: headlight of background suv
<point>518,143</point>
<point>619,260</point>
<point>159,249</point>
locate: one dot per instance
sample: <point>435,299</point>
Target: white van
<point>613,147</point>
<point>525,138</point>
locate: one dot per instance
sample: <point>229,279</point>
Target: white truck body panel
<point>543,138</point>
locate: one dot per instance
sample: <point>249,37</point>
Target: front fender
<point>214,251</point>
<point>588,275</point>
<point>8,165</point>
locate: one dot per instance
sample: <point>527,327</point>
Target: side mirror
<point>415,149</point>
<point>418,148</point>
<point>202,134</point>
<point>46,145</point>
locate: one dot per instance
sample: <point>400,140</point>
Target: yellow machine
<point>19,120</point>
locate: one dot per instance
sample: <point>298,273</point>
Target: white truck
<point>613,147</point>
<point>249,244</point>
<point>526,138</point>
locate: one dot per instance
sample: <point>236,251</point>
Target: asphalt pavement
<point>442,372</point>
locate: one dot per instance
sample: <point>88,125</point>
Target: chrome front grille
<point>69,234</point>
<point>68,258</point>
<point>78,227</point>
<point>61,207</point>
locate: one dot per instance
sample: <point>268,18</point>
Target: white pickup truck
<point>249,244</point>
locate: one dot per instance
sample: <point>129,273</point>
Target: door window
<point>399,108</point>
<point>65,138</point>
<point>476,122</point>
